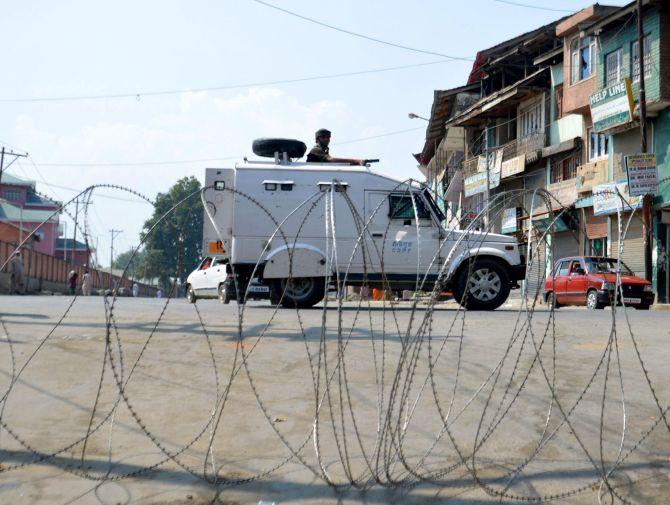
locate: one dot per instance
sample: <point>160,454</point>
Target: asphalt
<point>551,423</point>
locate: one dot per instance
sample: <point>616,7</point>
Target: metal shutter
<point>565,244</point>
<point>536,273</point>
<point>633,244</point>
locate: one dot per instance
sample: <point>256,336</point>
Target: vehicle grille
<point>631,290</point>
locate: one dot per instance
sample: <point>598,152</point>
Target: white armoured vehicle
<point>300,226</point>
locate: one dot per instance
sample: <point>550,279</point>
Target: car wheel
<point>592,300</point>
<point>551,300</point>
<point>224,293</point>
<point>300,292</point>
<point>486,288</point>
<point>190,295</point>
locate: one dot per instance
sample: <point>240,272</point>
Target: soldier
<point>320,151</point>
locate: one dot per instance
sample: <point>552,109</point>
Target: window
<point>582,58</point>
<point>563,268</point>
<point>558,102</point>
<point>596,247</point>
<point>219,185</point>
<point>530,120</point>
<point>598,145</point>
<point>401,207</point>
<point>635,58</point>
<point>286,187</point>
<point>565,169</point>
<point>576,268</point>
<point>614,67</point>
<point>270,186</point>
<point>11,195</point>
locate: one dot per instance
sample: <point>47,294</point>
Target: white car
<point>211,279</point>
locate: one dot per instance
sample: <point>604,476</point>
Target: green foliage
<point>162,246</point>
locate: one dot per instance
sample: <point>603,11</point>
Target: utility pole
<point>10,153</point>
<point>647,228</point>
<point>114,234</point>
<point>74,239</point>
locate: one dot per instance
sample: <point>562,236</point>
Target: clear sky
<point>81,48</point>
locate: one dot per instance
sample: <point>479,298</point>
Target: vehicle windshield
<point>605,266</point>
<point>431,203</point>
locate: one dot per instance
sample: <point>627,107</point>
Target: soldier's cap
<point>322,133</point>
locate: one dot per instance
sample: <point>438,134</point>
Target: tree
<point>180,228</point>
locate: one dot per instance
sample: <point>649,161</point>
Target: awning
<point>564,146</point>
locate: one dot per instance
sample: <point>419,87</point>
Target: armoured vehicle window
<point>400,207</point>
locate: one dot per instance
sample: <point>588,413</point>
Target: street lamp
<point>411,115</point>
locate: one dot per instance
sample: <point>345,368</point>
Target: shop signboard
<point>563,194</point>
<point>509,220</point>
<point>475,184</point>
<point>642,174</point>
<point>591,174</point>
<point>609,197</point>
<point>612,106</point>
<point>513,166</point>
<point>482,163</point>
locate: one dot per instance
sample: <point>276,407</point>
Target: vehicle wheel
<point>643,306</point>
<point>300,292</point>
<point>551,300</point>
<point>190,295</point>
<point>224,293</point>
<point>592,300</point>
<point>487,287</point>
<point>268,147</point>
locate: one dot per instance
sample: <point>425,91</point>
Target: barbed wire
<point>437,419</point>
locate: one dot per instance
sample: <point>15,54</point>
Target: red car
<point>590,281</point>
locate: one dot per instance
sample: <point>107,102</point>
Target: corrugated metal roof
<point>444,106</point>
<point>9,212</point>
<point>498,97</point>
<point>12,180</point>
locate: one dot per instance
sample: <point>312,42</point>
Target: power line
<point>137,163</point>
<point>531,6</point>
<point>359,35</point>
<point>398,132</point>
<point>140,94</point>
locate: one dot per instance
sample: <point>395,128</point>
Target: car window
<point>402,207</point>
<point>564,268</point>
<point>207,262</point>
<point>606,266</point>
<point>576,267</point>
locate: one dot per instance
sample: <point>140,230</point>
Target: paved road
<point>381,393</point>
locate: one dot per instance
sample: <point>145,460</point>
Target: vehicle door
<point>577,282</point>
<point>199,277</point>
<point>214,275</point>
<point>404,247</point>
<point>561,281</point>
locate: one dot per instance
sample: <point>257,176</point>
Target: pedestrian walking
<point>136,289</point>
<point>72,281</point>
<point>16,278</point>
<point>86,284</point>
<point>159,294</point>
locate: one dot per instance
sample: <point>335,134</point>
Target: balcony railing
<point>470,166</point>
<point>528,145</point>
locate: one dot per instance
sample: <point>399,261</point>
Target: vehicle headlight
<point>648,288</point>
<point>607,286</point>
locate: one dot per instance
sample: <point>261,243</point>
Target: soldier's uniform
<point>319,154</point>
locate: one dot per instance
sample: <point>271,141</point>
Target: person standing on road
<point>16,281</point>
<point>86,284</point>
<point>136,289</point>
<point>72,281</point>
<point>320,153</point>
